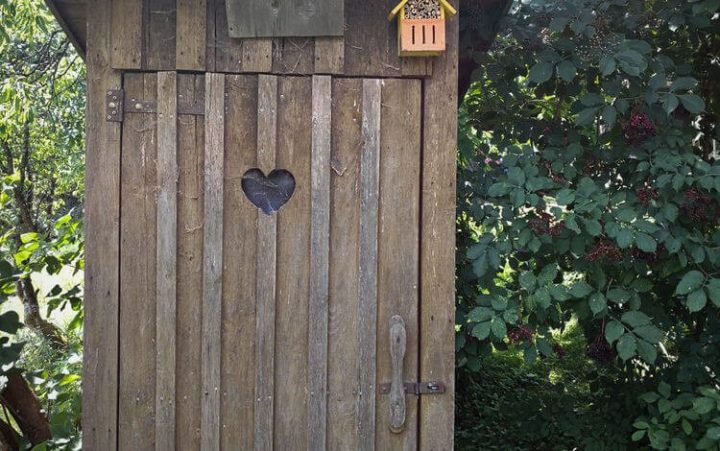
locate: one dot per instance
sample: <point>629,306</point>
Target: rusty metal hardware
<point>418,388</point>
<point>114,99</point>
<point>117,106</point>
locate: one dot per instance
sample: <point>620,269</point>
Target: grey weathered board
<point>285,18</point>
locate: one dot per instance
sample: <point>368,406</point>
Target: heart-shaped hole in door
<point>268,193</point>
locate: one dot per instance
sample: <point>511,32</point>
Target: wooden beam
<point>72,37</point>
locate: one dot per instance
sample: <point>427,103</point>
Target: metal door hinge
<point>418,388</point>
<point>114,101</point>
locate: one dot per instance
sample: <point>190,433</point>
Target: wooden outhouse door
<point>294,330</point>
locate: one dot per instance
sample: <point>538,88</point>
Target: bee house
<point>421,26</point>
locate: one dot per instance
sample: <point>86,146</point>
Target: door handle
<point>398,347</point>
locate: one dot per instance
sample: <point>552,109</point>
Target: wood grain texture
<point>126,35</point>
<point>259,18</point>
<point>102,238</point>
<point>166,262</point>
<point>344,361</point>
<point>294,147</point>
<point>257,55</point>
<point>210,34</point>
<point>228,52</point>
<point>319,262</point>
<point>212,260</point>
<point>136,423</point>
<point>191,157</point>
<point>265,294</point>
<point>398,348</point>
<point>159,36</point>
<point>293,55</point>
<point>239,268</point>
<point>398,256</point>
<point>191,34</point>
<point>329,55</point>
<point>437,254</point>
<point>368,264</point>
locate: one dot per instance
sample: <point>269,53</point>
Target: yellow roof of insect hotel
<point>443,3</point>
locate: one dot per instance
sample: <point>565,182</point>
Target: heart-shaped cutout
<point>270,192</point>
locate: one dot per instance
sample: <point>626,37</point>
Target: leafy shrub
<point>589,188</point>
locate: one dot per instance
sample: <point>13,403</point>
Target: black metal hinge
<point>114,105</point>
<point>418,388</point>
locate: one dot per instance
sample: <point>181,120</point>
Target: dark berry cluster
<point>604,250</point>
<point>646,195</point>
<point>520,333</point>
<point>544,224</point>
<point>700,206</point>
<point>639,128</point>
<point>601,351</point>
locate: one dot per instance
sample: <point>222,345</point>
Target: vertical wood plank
<point>343,350</point>
<point>212,259</point>
<point>398,254</point>
<point>437,322</point>
<point>259,18</point>
<point>239,273</point>
<point>228,52</point>
<point>257,55</point>
<point>266,271</point>
<point>127,34</point>
<point>294,150</point>
<point>329,55</point>
<point>368,275</point>
<point>136,422</point>
<point>191,145</point>
<point>102,239</point>
<point>319,262</point>
<point>166,263</point>
<point>159,35</point>
<point>293,55</point>
<point>191,35</point>
<point>210,35</point>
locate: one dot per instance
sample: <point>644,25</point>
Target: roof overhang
<point>72,17</point>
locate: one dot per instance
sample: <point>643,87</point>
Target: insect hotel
<point>270,225</point>
<point>421,26</point>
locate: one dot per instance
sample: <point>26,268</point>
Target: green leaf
<point>481,331</point>
<point>691,281</point>
<point>645,242</point>
<point>696,300</point>
<point>618,295</point>
<point>499,330</point>
<point>580,289</point>
<point>692,103</point>
<point>565,197</point>
<point>635,318</point>
<point>593,227</point>
<point>647,351</point>
<point>516,176</point>
<point>613,331</point>
<point>670,102</point>
<point>567,70</point>
<point>683,83</point>
<point>609,115</point>
<point>527,280</point>
<point>607,65</point>
<point>713,288</point>
<point>626,346</point>
<point>624,238</point>
<point>586,116</point>
<point>10,322</point>
<point>544,347</point>
<point>540,72</point>
<point>664,389</point>
<point>547,274</point>
<point>597,302</point>
<point>649,333</point>
<point>480,314</point>
<point>703,405</point>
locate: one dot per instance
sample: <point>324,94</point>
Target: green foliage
<point>589,188</point>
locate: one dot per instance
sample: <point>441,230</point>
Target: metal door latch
<point>418,388</point>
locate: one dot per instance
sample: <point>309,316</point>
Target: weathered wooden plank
<point>240,217</point>
<point>211,35</point>
<point>293,55</point>
<point>127,34</point>
<point>257,55</point>
<point>437,253</point>
<point>344,361</point>
<point>228,52</point>
<point>212,259</point>
<point>166,263</point>
<point>398,255</point>
<point>160,35</point>
<point>102,238</point>
<point>266,271</point>
<point>319,262</point>
<point>191,145</point>
<point>368,267</point>
<point>294,147</point>
<point>259,18</point>
<point>136,428</point>
<point>329,55</point>
<point>191,34</point>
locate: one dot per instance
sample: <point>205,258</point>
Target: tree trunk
<point>24,406</point>
<point>9,440</point>
<point>33,319</point>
